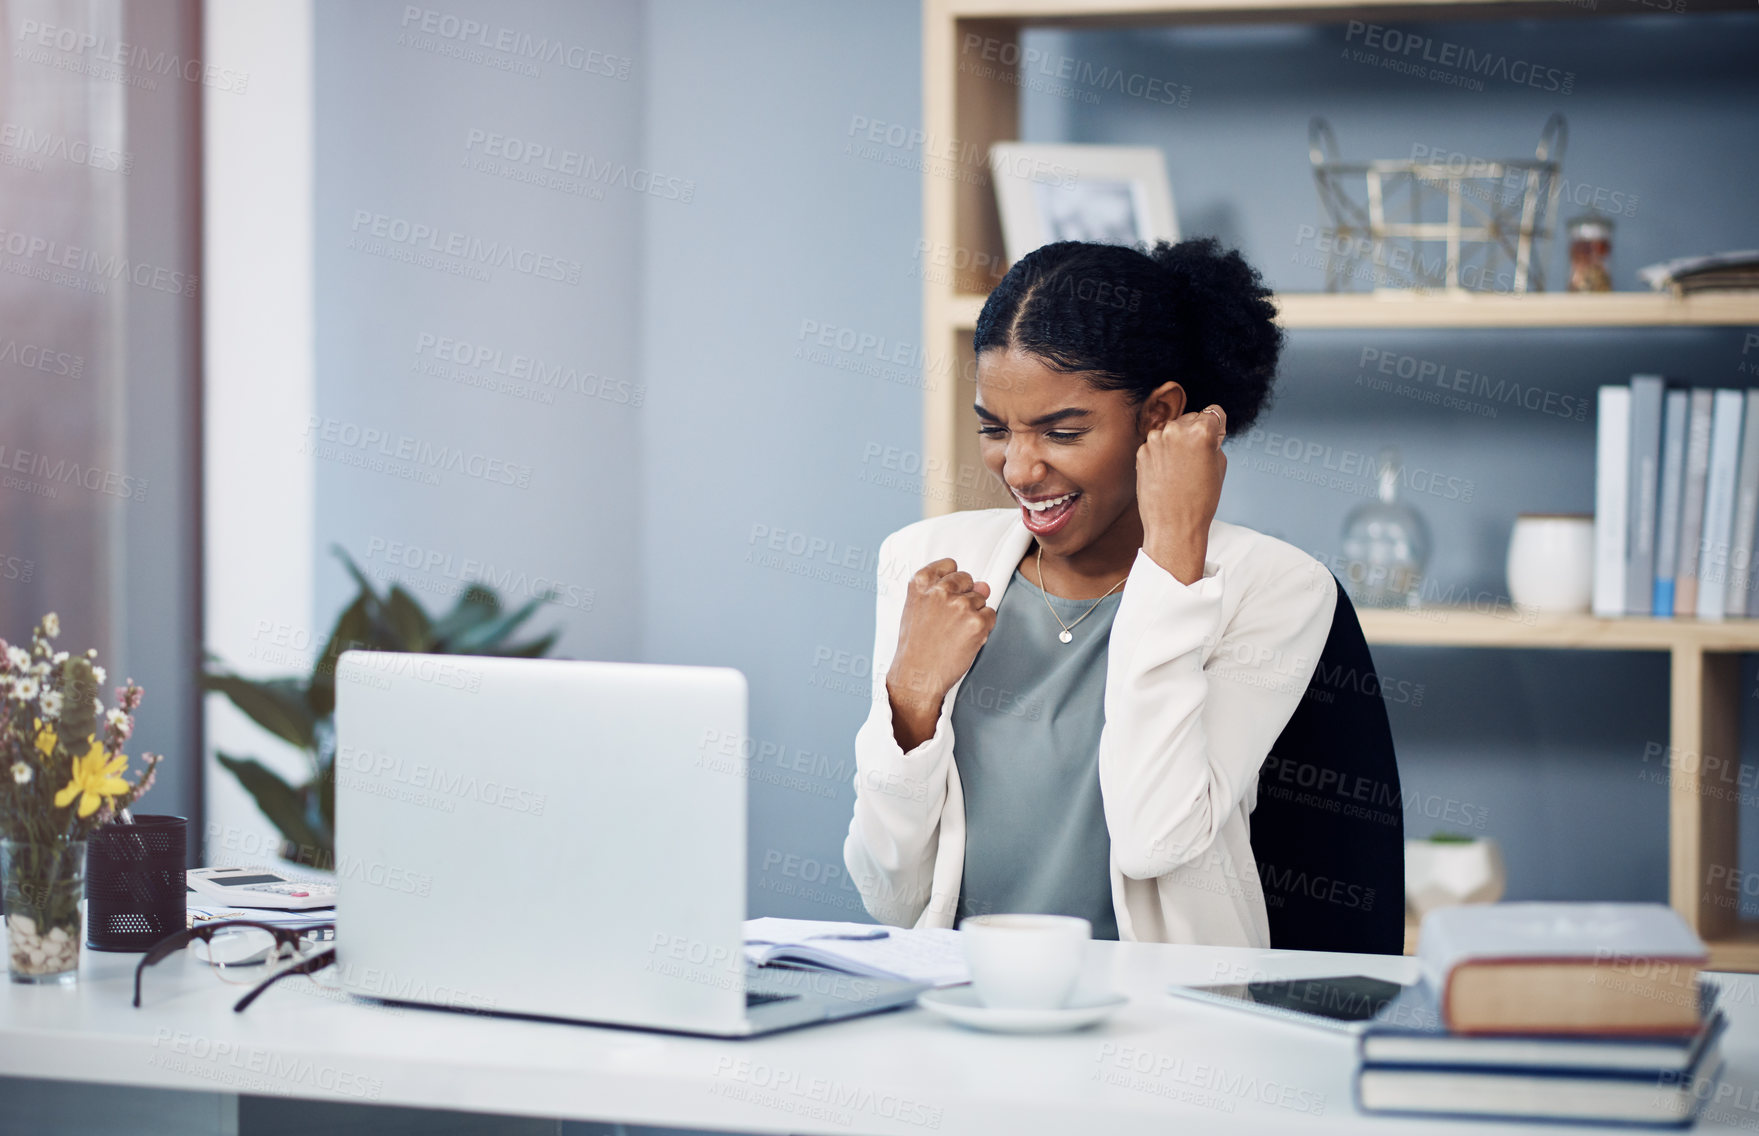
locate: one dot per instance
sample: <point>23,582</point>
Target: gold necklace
<point>1068,632</point>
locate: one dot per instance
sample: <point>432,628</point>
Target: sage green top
<point>1026,725</point>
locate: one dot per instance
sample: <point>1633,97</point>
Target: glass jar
<point>1385,545</point>
<point>1590,245</point>
<point>43,883</point>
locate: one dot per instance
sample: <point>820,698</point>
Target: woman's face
<point>1052,438</point>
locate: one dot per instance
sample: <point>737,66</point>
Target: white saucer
<point>960,1004</point>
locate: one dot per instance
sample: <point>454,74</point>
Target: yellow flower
<point>95,776</point>
<point>45,739</point>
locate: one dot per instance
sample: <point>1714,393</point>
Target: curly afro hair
<point>1129,318</point>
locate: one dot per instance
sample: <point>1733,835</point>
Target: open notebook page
<point>933,955</point>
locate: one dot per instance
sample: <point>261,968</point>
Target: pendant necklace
<point>1068,632</point>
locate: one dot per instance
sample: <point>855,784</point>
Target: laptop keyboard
<point>753,998</point>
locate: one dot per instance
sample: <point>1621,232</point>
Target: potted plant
<point>1451,868</point>
<point>300,708</point>
<point>65,776</point>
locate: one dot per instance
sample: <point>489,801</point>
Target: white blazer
<point>1200,681</point>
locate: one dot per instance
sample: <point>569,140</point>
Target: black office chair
<point>1328,830</point>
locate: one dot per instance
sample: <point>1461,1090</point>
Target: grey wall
<point>667,510</point>
<point>744,437</point>
<point>532,377</point>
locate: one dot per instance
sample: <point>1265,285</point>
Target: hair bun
<point>1214,280</point>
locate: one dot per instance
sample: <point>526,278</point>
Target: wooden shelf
<point>1539,309</point>
<point>1136,13</point>
<point>1737,949</point>
<point>980,106</point>
<point>1469,627</point>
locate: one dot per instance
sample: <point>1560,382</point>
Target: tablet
<point>1344,1003</point>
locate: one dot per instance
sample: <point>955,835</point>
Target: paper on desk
<point>202,913</point>
<point>934,955</point>
<point>770,929</point>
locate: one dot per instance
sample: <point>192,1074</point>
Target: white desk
<point>1159,1065</point>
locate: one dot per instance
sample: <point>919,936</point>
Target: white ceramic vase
<point>1444,873</point>
<point>1551,562</point>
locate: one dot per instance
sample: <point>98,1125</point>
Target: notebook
<point>931,954</point>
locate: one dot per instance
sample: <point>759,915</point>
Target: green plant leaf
<point>354,628</point>
<point>79,719</point>
<point>360,578</point>
<point>485,636</point>
<point>323,791</point>
<point>537,648</point>
<point>476,604</point>
<point>278,705</point>
<point>408,621</point>
<point>383,630</point>
<point>280,802</point>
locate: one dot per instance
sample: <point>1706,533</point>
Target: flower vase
<point>43,883</point>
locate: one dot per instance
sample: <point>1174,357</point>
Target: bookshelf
<point>959,213</point>
<point>1704,708</point>
<point>1539,309</point>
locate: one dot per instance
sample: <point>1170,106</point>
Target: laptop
<point>560,839</point>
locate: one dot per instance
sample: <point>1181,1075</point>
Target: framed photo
<point>1111,194</point>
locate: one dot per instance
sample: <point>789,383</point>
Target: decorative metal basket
<point>1465,206</point>
<point>135,892</point>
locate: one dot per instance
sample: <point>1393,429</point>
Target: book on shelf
<point>1746,510</point>
<point>1736,270</point>
<point>1674,411</point>
<point>1676,500</point>
<point>1693,480</point>
<point>1409,1062</point>
<point>1562,968</point>
<point>1719,504</point>
<point>1611,497</point>
<point>1643,463</point>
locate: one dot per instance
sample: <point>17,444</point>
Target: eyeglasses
<point>242,951</point>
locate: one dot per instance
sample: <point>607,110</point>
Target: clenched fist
<point>1179,470</point>
<point>945,622</point>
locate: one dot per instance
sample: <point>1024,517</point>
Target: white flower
<point>99,674</point>
<point>18,657</point>
<point>24,689</point>
<point>117,718</point>
<point>91,652</point>
<point>51,704</point>
<point>41,670</point>
<point>58,658</point>
<point>51,625</point>
<point>21,773</point>
<point>98,707</point>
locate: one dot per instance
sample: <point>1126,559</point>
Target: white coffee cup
<point>1025,962</point>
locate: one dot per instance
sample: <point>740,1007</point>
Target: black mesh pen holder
<point>135,893</point>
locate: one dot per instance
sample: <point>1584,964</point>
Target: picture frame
<point>1057,192</point>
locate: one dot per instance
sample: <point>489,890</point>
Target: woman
<point>1079,691</point>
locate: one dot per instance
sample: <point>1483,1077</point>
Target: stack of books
<point>1676,500</point>
<point>1554,1011</point>
<point>1718,272</point>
